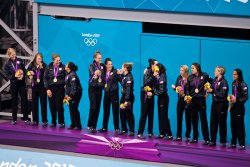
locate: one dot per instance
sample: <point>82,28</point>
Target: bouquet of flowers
<point>178,89</point>
<point>188,99</point>
<point>19,74</point>
<point>29,73</point>
<point>125,105</point>
<point>229,99</point>
<point>156,69</point>
<point>147,89</point>
<point>122,106</point>
<point>65,100</point>
<point>207,86</point>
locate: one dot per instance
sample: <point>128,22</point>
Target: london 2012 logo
<point>243,1</point>
<point>90,39</point>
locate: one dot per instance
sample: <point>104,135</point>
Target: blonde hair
<point>221,69</point>
<point>186,70</point>
<point>10,51</point>
<point>54,56</point>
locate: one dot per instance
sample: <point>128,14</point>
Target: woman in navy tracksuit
<point>73,95</point>
<point>54,82</point>
<point>238,99</point>
<point>96,85</point>
<point>111,96</point>
<point>36,70</point>
<point>219,89</point>
<point>160,90</point>
<point>127,100</point>
<point>15,72</point>
<point>147,101</point>
<point>195,89</point>
<point>182,106</point>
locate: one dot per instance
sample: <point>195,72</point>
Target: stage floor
<point>111,145</point>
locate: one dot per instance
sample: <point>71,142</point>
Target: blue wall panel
<point>118,40</point>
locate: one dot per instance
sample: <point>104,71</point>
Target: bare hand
<point>95,77</point>
<point>156,73</point>
<point>233,99</point>
<point>119,71</point>
<point>173,86</point>
<point>69,98</point>
<point>49,93</point>
<point>125,103</point>
<point>149,94</point>
<point>209,90</point>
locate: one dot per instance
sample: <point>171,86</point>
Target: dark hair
<point>240,74</point>
<point>161,67</point>
<point>107,60</point>
<point>36,55</point>
<point>198,68</point>
<point>151,62</point>
<point>72,66</point>
<point>128,66</point>
<point>97,53</point>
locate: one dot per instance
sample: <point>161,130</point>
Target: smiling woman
<point>54,80</point>
<point>15,72</point>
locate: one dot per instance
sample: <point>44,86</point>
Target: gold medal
<point>99,80</point>
<point>37,80</point>
<point>196,90</point>
<point>55,80</point>
<point>106,85</point>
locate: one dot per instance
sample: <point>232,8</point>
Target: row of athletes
<point>54,79</point>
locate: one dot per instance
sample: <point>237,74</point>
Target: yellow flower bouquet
<point>29,73</point>
<point>207,86</point>
<point>188,99</point>
<point>147,89</point>
<point>65,100</point>
<point>178,89</point>
<point>19,74</point>
<point>122,106</point>
<point>156,69</point>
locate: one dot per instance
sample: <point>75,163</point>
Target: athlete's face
<point>109,65</point>
<point>98,58</point>
<point>235,75</point>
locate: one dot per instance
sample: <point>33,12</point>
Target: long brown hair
<point>34,60</point>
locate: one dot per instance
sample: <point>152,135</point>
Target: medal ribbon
<point>56,72</point>
<point>197,82</point>
<point>15,67</point>
<point>107,77</point>
<point>38,73</point>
